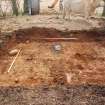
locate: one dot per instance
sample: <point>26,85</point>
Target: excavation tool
<point>57,39</point>
<point>13,61</point>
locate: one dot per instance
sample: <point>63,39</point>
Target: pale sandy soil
<point>47,18</point>
<point>48,21</point>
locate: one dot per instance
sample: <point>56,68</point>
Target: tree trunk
<point>14,7</point>
<point>25,6</point>
<point>104,11</point>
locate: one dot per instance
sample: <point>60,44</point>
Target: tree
<point>14,7</point>
<point>25,6</point>
<point>104,11</point>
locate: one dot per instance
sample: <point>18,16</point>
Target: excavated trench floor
<point>76,70</point>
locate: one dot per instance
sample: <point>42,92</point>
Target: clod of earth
<point>1,43</point>
<point>13,52</point>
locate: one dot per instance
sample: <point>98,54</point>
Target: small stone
<point>13,52</point>
<point>5,61</point>
<point>1,43</point>
<point>27,19</point>
<point>57,47</point>
<point>27,41</point>
<point>69,77</point>
<point>16,80</point>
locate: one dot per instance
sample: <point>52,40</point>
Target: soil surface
<point>9,24</point>
<point>81,58</point>
<point>55,95</point>
<point>62,64</point>
<point>49,18</point>
<point>43,75</point>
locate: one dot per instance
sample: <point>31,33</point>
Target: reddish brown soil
<point>38,63</point>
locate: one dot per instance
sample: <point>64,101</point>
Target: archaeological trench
<point>52,67</point>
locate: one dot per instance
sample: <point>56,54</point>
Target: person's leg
<point>53,4</point>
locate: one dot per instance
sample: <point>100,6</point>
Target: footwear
<point>50,6</point>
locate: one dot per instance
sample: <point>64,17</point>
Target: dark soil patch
<point>55,95</point>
